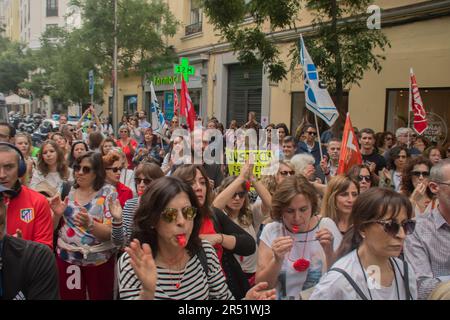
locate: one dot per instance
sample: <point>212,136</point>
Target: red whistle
<point>295,229</point>
<point>181,238</point>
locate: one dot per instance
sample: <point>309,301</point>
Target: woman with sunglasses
<point>233,200</point>
<point>391,176</point>
<point>145,173</point>
<point>84,241</point>
<point>173,263</point>
<point>385,142</point>
<point>217,228</point>
<point>370,267</point>
<point>127,144</point>
<point>113,167</point>
<point>364,176</point>
<point>78,148</point>
<point>149,150</point>
<point>338,201</point>
<point>51,167</point>
<point>296,249</point>
<point>415,185</point>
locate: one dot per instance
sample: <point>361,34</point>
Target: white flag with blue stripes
<point>158,120</point>
<point>317,98</point>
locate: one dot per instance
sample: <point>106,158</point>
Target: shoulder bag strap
<point>352,282</point>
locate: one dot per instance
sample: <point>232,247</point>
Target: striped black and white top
<point>121,234</point>
<point>195,284</point>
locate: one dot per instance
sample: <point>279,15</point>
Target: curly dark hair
<point>95,159</point>
<point>407,184</point>
<point>394,154</point>
<point>153,202</point>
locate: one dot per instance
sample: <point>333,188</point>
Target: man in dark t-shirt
<point>370,155</point>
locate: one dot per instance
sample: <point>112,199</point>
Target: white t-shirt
<point>334,285</point>
<point>296,282</point>
<point>53,178</point>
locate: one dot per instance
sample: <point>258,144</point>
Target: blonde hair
<point>269,173</point>
<point>337,185</point>
<point>441,292</point>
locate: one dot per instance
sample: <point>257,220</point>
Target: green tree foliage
<point>341,45</point>
<point>63,62</point>
<point>14,65</point>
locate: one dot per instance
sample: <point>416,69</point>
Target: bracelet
<point>117,223</point>
<point>221,240</point>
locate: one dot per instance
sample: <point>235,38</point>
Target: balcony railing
<point>194,28</point>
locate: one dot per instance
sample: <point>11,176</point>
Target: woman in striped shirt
<point>173,262</point>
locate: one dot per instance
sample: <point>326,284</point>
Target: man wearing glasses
<point>428,248</point>
<point>310,145</point>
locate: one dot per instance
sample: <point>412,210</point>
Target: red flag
<point>176,104</point>
<point>187,108</point>
<point>416,105</point>
<point>350,154</point>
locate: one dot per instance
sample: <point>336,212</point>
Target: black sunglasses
<point>311,133</point>
<point>84,170</point>
<point>145,180</point>
<point>287,173</point>
<point>424,174</point>
<point>171,214</point>
<point>392,227</point>
<point>240,194</point>
<point>366,178</point>
<point>117,169</point>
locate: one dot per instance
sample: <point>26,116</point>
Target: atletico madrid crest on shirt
<point>27,215</point>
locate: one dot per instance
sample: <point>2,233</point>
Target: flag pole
<point>318,134</point>
<point>409,107</point>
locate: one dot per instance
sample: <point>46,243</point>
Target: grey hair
<point>301,161</point>
<point>437,171</point>
<point>401,131</point>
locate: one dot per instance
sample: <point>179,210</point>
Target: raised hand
<point>260,292</point>
<point>115,208</point>
<point>281,246</point>
<point>58,207</point>
<point>326,240</point>
<point>143,264</point>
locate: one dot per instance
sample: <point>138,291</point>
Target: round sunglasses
<point>171,214</point>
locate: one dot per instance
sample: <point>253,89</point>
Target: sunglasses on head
<point>240,194</point>
<point>366,178</point>
<point>115,169</point>
<point>287,173</point>
<point>84,170</point>
<point>145,180</point>
<point>417,174</point>
<point>392,227</point>
<point>171,214</point>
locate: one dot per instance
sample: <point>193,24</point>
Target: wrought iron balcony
<point>194,28</point>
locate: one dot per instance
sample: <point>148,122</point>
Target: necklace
<point>367,283</point>
<point>174,276</point>
<point>301,264</point>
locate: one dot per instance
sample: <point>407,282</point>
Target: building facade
<point>419,33</point>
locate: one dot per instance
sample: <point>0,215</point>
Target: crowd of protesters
<point>133,216</point>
